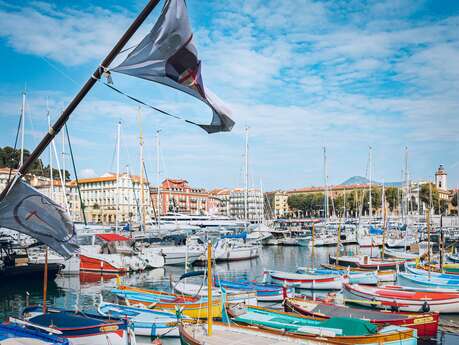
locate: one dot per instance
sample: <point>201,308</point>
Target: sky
<point>300,74</point>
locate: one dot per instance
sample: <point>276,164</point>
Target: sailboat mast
<point>246,177</point>
<point>158,179</point>
<point>370,159</point>
<point>63,164</point>
<point>22,127</point>
<point>118,144</point>
<point>51,177</point>
<point>407,194</point>
<point>142,190</point>
<point>326,206</point>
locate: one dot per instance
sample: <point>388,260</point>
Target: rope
<point>76,175</point>
<point>148,105</point>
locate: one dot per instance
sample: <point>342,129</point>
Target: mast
<point>383,205</point>
<point>63,164</point>
<point>118,144</point>
<point>97,74</point>
<point>246,177</point>
<point>370,159</point>
<point>407,194</point>
<point>142,190</point>
<point>158,179</point>
<point>326,206</point>
<point>22,127</point>
<point>209,289</point>
<point>51,177</point>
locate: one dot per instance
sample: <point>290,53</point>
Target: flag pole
<point>45,280</point>
<point>57,126</point>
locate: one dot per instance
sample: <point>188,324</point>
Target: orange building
<point>176,195</point>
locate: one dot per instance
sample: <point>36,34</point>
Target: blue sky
<point>301,74</point>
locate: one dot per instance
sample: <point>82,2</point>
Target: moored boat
<point>81,328</point>
<point>433,281</point>
<point>411,300</point>
<point>192,307</point>
<point>383,276</point>
<point>354,277</point>
<point>15,334</point>
<point>222,333</point>
<point>426,324</point>
<point>307,281</point>
<point>146,322</point>
<point>339,330</point>
<point>364,261</point>
<point>265,292</point>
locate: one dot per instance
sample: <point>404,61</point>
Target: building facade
<point>176,195</point>
<point>255,204</point>
<point>280,207</point>
<point>101,195</point>
<point>219,202</point>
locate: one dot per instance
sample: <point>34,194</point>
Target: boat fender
<point>425,307</point>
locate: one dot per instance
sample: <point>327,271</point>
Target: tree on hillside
<point>10,158</point>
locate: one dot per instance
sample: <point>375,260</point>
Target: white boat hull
<point>305,281</point>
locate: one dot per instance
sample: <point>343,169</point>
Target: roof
<point>107,178</point>
<point>330,188</point>
<point>112,237</point>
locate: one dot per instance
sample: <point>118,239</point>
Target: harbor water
<point>84,291</point>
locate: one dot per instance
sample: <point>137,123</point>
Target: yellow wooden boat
<point>191,306</point>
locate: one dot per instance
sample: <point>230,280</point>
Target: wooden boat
<point>396,254</point>
<point>222,333</point>
<point>233,296</point>
<point>411,300</point>
<point>81,328</point>
<point>364,261</point>
<point>146,322</point>
<point>434,281</point>
<point>192,307</point>
<point>342,330</point>
<point>454,258</point>
<point>354,277</point>
<point>425,324</point>
<point>265,292</point>
<point>382,275</point>
<point>307,281</point>
<point>424,271</point>
<point>16,334</point>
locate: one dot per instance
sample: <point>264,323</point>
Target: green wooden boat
<point>335,326</point>
<point>335,330</point>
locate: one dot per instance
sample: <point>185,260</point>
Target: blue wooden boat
<point>431,281</point>
<point>81,328</point>
<point>146,322</point>
<point>422,272</point>
<point>265,292</point>
<point>13,334</point>
<point>367,278</point>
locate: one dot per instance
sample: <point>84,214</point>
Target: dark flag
<point>168,56</point>
<point>26,210</point>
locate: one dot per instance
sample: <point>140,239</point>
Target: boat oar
<point>28,324</point>
<point>362,301</point>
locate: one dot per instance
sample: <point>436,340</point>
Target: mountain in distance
<point>363,180</point>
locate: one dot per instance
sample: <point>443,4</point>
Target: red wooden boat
<point>425,324</point>
<point>405,299</point>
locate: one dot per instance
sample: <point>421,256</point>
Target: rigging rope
<point>148,105</point>
<point>76,175</point>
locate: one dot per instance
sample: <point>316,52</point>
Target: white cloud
<point>86,173</point>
